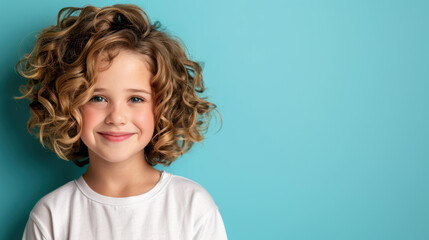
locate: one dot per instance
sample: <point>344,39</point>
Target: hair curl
<point>61,71</point>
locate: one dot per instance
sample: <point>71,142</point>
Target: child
<point>108,87</point>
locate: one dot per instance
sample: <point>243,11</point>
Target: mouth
<point>115,136</point>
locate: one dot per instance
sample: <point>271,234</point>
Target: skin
<point>117,166</point>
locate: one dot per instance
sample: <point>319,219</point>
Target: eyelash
<point>93,99</point>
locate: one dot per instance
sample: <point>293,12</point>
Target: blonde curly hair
<point>61,71</point>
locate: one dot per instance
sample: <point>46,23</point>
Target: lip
<point>115,136</point>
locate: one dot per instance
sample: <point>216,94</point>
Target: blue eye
<point>96,99</point>
<point>136,99</point>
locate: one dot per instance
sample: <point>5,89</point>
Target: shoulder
<point>51,209</point>
<point>190,193</point>
<point>53,201</point>
<point>201,216</point>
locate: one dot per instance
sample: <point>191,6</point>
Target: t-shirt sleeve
<point>211,227</point>
<point>32,231</point>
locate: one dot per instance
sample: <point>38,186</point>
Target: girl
<point>108,87</point>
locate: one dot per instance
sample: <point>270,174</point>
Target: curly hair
<point>62,68</point>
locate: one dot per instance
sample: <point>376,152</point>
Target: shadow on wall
<point>28,171</point>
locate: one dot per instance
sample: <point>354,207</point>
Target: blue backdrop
<point>325,107</point>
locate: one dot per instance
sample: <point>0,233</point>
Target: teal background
<point>325,109</point>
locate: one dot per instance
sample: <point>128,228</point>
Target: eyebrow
<point>134,90</point>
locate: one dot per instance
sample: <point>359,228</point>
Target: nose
<point>116,115</point>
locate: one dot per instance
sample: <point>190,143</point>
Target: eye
<point>96,99</point>
<point>136,99</point>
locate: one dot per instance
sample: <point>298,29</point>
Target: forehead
<point>105,58</point>
<point>126,69</point>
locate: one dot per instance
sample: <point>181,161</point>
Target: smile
<point>115,136</point>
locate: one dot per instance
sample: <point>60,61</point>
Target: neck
<point>120,179</point>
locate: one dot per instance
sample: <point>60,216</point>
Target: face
<point>118,121</point>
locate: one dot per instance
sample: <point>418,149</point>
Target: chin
<point>114,158</point>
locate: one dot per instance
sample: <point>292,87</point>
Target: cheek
<point>90,118</point>
<point>146,120</point>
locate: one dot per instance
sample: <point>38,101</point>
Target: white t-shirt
<point>175,208</point>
